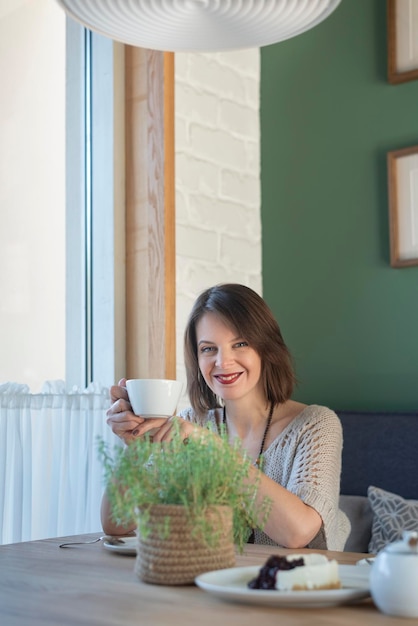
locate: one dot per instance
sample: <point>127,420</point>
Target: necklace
<point>263,441</point>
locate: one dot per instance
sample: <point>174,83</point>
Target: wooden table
<point>41,585</point>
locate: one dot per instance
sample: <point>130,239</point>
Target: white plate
<point>232,584</point>
<point>127,547</point>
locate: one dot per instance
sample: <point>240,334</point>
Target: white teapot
<point>394,577</point>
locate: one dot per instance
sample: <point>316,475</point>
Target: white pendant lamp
<point>199,25</point>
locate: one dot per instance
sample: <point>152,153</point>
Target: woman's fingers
<point>118,392</point>
<point>123,427</point>
<point>118,407</point>
<point>165,433</point>
<point>120,416</point>
<point>149,425</point>
<point>122,421</point>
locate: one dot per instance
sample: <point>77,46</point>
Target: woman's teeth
<point>227,380</point>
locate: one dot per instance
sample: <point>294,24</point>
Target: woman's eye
<point>241,344</point>
<point>206,349</point>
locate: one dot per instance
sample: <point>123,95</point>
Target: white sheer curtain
<point>51,479</point>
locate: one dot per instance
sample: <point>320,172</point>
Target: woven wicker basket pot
<point>176,559</point>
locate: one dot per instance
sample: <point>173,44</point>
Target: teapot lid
<point>407,545</point>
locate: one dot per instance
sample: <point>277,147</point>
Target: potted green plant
<point>191,500</point>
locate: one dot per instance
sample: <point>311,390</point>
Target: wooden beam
<point>150,214</point>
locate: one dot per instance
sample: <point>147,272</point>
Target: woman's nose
<point>224,357</point>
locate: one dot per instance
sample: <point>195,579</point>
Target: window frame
<point>95,345</point>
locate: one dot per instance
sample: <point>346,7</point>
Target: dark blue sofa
<point>380,449</point>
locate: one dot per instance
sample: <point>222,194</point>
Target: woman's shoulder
<point>299,411</point>
<point>319,411</point>
<point>320,421</point>
<point>316,415</point>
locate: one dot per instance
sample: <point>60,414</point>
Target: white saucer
<point>128,546</point>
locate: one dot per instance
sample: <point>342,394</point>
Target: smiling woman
<point>240,380</point>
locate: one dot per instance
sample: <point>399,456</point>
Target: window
<point>61,183</point>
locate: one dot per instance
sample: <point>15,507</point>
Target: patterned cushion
<point>392,514</point>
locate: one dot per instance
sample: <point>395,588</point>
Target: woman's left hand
<point>165,431</point>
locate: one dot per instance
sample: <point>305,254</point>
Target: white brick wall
<point>218,230</point>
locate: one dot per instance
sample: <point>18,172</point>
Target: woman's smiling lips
<point>227,379</point>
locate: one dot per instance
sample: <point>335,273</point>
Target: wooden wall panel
<point>150,219</point>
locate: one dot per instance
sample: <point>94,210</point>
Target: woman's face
<point>230,367</point>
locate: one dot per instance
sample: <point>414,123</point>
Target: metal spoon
<point>112,540</point>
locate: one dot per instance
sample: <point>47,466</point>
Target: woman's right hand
<point>123,421</point>
<point>120,417</point>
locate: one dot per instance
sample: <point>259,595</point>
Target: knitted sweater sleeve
<point>306,460</point>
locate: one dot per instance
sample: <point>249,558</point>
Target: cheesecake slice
<point>298,572</point>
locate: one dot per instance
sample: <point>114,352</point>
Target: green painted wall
<point>328,118</point>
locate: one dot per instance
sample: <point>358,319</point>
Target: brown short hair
<point>245,311</point>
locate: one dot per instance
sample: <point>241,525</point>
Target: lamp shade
<point>199,25</point>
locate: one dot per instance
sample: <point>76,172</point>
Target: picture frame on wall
<point>402,32</point>
<point>403,206</point>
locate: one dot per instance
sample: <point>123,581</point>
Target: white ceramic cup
<point>154,397</point>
